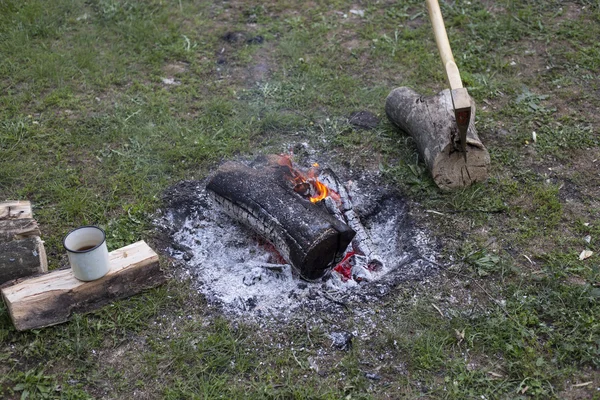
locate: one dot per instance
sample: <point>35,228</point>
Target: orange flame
<point>306,184</point>
<point>321,191</point>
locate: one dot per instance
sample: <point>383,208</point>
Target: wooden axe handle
<point>441,39</point>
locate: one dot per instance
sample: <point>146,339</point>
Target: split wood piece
<point>304,234</point>
<point>15,209</point>
<point>432,124</point>
<point>17,229</point>
<point>21,250</point>
<point>361,243</point>
<point>53,298</point>
<point>22,258</point>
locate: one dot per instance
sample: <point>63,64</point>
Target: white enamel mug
<point>88,255</point>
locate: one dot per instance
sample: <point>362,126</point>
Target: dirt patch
<point>175,68</point>
<point>257,70</point>
<point>569,11</point>
<point>582,388</point>
<point>363,120</point>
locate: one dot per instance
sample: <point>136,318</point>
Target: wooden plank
<point>22,258</point>
<point>17,229</point>
<point>53,298</point>
<point>14,209</point>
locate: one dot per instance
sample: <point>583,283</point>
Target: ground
<point>105,105</point>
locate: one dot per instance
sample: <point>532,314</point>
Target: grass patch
<point>104,105</point>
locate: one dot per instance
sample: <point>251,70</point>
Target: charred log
<point>306,235</point>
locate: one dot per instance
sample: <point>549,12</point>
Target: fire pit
<point>267,237</point>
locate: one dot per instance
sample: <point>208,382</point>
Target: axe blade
<point>462,112</point>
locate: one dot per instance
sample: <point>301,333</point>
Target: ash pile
<point>267,238</point>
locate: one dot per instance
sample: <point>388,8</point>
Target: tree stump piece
<point>431,123</point>
<point>22,251</point>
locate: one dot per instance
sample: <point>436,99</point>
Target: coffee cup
<point>87,252</point>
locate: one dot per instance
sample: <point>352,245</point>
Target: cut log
<point>21,258</point>
<point>305,235</point>
<point>15,209</point>
<point>17,229</point>
<point>53,298</point>
<point>431,123</point>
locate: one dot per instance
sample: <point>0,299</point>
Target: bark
<point>21,258</point>
<point>306,235</point>
<point>431,123</point>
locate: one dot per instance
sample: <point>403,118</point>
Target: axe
<point>460,97</point>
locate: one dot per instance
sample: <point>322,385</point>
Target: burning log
<point>306,236</point>
<point>431,123</point>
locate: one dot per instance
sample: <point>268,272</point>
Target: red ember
<point>344,268</point>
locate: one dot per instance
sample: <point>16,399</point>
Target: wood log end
<point>22,258</point>
<point>15,209</point>
<point>450,171</point>
<point>325,251</point>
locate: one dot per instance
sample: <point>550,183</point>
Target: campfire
<point>306,239</point>
<point>307,215</point>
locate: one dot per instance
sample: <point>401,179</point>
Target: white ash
<point>234,268</point>
<point>341,340</point>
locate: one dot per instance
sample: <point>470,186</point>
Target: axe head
<point>462,112</point>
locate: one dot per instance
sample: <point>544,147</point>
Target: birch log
<point>431,123</point>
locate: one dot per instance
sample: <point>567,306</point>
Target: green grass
<point>91,134</point>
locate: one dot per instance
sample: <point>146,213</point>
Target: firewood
<point>15,209</point>
<point>431,123</point>
<point>16,229</point>
<point>22,252</point>
<point>305,235</point>
<point>21,258</point>
<point>361,242</point>
<point>54,297</point>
